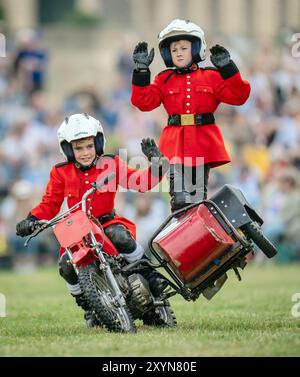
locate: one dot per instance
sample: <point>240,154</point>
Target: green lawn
<point>248,318</point>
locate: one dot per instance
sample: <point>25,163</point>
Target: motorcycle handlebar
<point>40,225</point>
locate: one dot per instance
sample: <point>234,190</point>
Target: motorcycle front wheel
<point>100,297</point>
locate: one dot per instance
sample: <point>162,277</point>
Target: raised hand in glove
<point>141,57</point>
<point>150,149</point>
<point>159,163</point>
<point>25,228</point>
<point>219,56</point>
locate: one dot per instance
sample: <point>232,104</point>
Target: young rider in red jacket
<point>191,139</point>
<point>82,142</point>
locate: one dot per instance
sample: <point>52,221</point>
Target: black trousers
<point>188,184</point>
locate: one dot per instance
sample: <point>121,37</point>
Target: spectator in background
<point>84,100</point>
<point>283,226</point>
<point>87,100</point>
<point>15,207</point>
<point>30,61</point>
<point>13,146</point>
<point>125,65</point>
<point>247,181</point>
<point>5,256</point>
<point>148,212</point>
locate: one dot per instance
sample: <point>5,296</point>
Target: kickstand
<point>237,273</point>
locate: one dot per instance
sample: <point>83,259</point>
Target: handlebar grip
<point>33,225</point>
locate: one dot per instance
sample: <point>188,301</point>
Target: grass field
<point>248,318</point>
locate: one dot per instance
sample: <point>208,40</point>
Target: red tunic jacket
<point>68,183</point>
<point>199,91</point>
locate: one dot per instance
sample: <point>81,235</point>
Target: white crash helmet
<point>79,126</point>
<point>182,29</point>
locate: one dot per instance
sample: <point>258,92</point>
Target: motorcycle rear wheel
<point>255,233</point>
<point>160,316</point>
<point>99,295</point>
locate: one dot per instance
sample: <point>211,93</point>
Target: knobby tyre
<point>255,233</point>
<point>99,296</point>
<point>161,316</point>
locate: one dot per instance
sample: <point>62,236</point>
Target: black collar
<point>182,71</point>
<point>85,168</point>
<point>188,69</point>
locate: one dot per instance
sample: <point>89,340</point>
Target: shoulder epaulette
<point>108,155</point>
<point>62,164</point>
<point>209,67</point>
<point>165,70</point>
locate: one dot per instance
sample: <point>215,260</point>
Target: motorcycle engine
<point>141,296</point>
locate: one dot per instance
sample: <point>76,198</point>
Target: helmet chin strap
<point>88,167</point>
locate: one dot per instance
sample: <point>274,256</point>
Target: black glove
<point>219,56</point>
<point>25,228</point>
<point>150,149</point>
<point>141,57</point>
<point>159,163</point>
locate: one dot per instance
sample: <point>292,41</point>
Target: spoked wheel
<point>100,297</point>
<point>255,233</point>
<point>161,316</point>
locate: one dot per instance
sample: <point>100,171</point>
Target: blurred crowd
<point>262,136</point>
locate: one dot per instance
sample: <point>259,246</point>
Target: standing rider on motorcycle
<point>81,141</point>
<point>190,95</point>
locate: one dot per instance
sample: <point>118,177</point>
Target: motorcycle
<point>195,247</point>
<point>198,244</point>
<point>116,291</point>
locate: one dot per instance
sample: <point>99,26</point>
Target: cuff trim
<point>228,70</point>
<point>141,78</point>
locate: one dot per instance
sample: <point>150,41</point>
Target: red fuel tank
<point>192,242</point>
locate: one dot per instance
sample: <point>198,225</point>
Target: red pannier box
<point>192,242</point>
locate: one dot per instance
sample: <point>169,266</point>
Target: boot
<point>198,196</point>
<point>89,316</point>
<point>179,200</point>
<point>180,197</point>
<point>157,283</point>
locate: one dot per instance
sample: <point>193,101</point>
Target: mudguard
<point>235,206</point>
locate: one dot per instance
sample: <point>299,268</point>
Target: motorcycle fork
<point>105,267</point>
<point>71,260</point>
